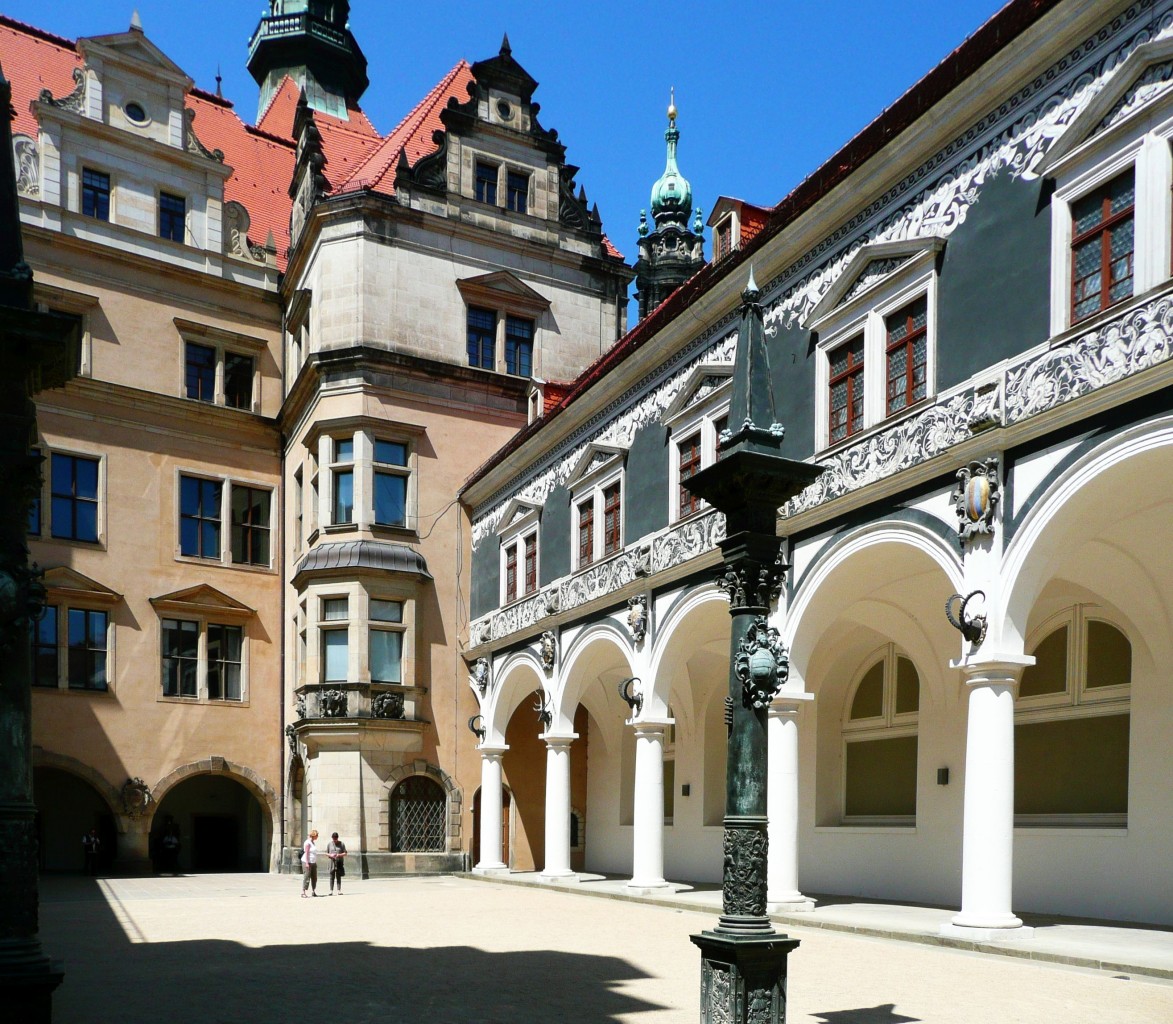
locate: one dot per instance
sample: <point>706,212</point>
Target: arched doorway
<point>506,817</point>
<point>67,808</point>
<point>221,825</point>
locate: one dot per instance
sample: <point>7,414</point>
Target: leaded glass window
<point>846,390</point>
<point>1102,247</point>
<point>907,354</point>
<point>418,812</point>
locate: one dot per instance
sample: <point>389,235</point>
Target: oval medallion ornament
<point>977,498</point>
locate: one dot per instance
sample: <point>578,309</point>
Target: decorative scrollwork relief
<point>480,675</point>
<point>976,498</point>
<point>136,797</point>
<point>28,166</point>
<point>752,584</point>
<point>548,649</point>
<point>762,663</point>
<point>76,100</point>
<point>744,888</point>
<point>637,617</point>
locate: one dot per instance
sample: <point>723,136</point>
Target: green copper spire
<point>671,194</point>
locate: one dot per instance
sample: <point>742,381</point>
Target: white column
<point>558,806</point>
<point>782,893</point>
<point>491,811</point>
<point>648,832</point>
<point>987,855</point>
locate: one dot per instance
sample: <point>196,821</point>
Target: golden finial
<point>672,105</point>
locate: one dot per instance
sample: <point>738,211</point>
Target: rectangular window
<point>390,483</point>
<point>531,563</point>
<point>511,573</point>
<point>343,481</point>
<point>250,525</point>
<point>689,455</point>
<point>486,183</point>
<point>846,390</point>
<point>482,337</point>
<point>586,533</point>
<point>225,644</point>
<point>95,194</point>
<point>200,364</point>
<point>1102,247</point>
<point>238,380</point>
<point>723,239</point>
<point>907,347</point>
<point>181,643</point>
<point>199,517</point>
<point>45,659</point>
<point>519,346</point>
<point>87,649</point>
<point>518,191</point>
<point>335,609</point>
<point>172,213</point>
<point>74,497</point>
<point>386,656</point>
<point>335,655</point>
<point>612,514</point>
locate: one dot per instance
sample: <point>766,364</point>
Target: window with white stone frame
<point>695,422</point>
<point>1072,723</point>
<point>519,566</point>
<point>876,329</point>
<point>203,660</point>
<point>220,367</point>
<point>879,732</point>
<point>1112,207</point>
<point>597,505</point>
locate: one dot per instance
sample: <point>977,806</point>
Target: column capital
<point>491,751</point>
<point>558,740</point>
<point>647,726</point>
<point>787,702</point>
<point>994,668</point>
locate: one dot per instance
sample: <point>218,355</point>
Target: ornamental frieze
<point>1103,356</point>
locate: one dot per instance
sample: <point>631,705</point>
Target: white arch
<point>667,646</point>
<point>575,676</point>
<point>1040,538</point>
<point>513,679</point>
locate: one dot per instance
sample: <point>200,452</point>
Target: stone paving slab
<point>231,949</point>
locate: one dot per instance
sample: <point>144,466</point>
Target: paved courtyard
<point>222,949</point>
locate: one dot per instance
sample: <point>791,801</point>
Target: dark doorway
<point>67,808</point>
<point>220,824</point>
<point>215,843</point>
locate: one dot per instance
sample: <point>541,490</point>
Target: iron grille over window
<point>417,816</point>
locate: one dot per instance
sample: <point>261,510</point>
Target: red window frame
<point>586,532</point>
<point>1105,230</point>
<point>511,573</point>
<point>852,377</point>
<point>612,529</point>
<point>531,563</point>
<point>689,461</point>
<point>907,384</point>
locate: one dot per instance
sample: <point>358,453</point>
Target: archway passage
<point>67,808</point>
<point>506,812</point>
<point>221,826</point>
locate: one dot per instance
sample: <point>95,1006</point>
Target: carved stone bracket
<point>291,737</point>
<point>300,705</point>
<point>762,665</point>
<point>976,498</point>
<point>28,166</point>
<point>637,617</point>
<point>548,649</point>
<point>480,675</point>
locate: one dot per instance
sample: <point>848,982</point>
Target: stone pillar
<point>491,811</point>
<point>558,807</point>
<point>782,893</point>
<point>987,857</point>
<point>647,870</point>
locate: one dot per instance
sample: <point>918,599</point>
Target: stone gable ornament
<point>762,665</point>
<point>388,705</point>
<point>136,797</point>
<point>976,498</point>
<point>332,703</point>
<point>548,647</point>
<point>291,736</point>
<point>480,675</point>
<point>637,617</point>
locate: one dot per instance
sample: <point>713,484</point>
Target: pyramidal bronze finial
<point>752,422</point>
<point>506,49</point>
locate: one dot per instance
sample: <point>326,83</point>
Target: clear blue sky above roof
<point>766,91</point>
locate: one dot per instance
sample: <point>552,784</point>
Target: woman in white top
<point>309,864</point>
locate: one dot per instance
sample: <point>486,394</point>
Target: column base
<point>559,877</point>
<point>645,887</point>
<point>27,991</point>
<point>985,927</point>
<point>743,977</point>
<point>790,903</point>
<point>491,869</point>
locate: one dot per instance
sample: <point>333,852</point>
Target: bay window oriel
<point>367,480</point>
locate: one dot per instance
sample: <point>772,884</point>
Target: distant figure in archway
<point>90,847</point>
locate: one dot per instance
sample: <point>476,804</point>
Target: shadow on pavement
<point>883,1014</point>
<point>110,978</point>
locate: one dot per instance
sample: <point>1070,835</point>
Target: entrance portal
<point>67,808</point>
<point>221,826</point>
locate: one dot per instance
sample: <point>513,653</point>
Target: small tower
<point>671,251</point>
<point>310,41</point>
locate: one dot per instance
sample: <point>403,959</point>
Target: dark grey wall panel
<point>993,298</point>
<point>645,506</point>
<point>485,590</point>
<point>554,554</point>
<point>792,365</point>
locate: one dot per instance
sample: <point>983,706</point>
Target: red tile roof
<point>34,60</point>
<point>952,72</point>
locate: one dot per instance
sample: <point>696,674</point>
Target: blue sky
<point>766,91</point>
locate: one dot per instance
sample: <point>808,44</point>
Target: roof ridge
<point>273,96</point>
<point>419,112</point>
<point>40,33</point>
<point>212,97</point>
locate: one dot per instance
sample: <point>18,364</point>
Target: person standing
<point>90,845</point>
<point>309,864</point>
<point>170,859</point>
<point>336,851</point>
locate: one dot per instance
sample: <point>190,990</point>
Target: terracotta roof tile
<point>34,60</point>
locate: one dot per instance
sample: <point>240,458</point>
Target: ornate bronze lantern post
<point>743,960</point>
<point>37,350</point>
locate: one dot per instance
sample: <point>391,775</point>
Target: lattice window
<point>418,813</point>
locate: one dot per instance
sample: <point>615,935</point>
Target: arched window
<point>879,742</point>
<point>418,812</point>
<point>1071,723</point>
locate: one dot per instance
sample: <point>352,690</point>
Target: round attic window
<point>504,109</point>
<point>135,112</point>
